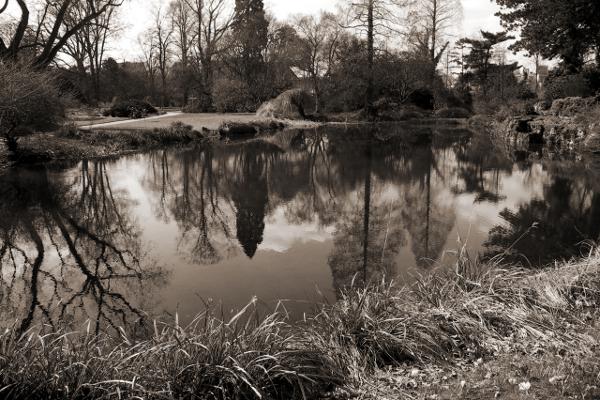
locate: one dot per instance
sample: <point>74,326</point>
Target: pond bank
<point>568,126</point>
<point>483,331</point>
<point>73,143</point>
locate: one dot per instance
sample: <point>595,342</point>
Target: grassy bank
<point>73,144</point>
<point>479,332</point>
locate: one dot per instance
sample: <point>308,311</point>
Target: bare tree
<point>88,46</point>
<point>163,34</point>
<point>52,30</point>
<point>434,19</point>
<point>147,43</point>
<point>212,20</point>
<point>320,39</point>
<point>375,17</point>
<point>182,23</point>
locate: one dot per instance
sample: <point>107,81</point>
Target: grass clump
<point>476,315</point>
<point>246,357</point>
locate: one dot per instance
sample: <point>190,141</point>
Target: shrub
<point>422,98</point>
<point>230,95</point>
<point>131,109</point>
<point>453,98</point>
<point>559,87</point>
<point>29,101</point>
<point>453,112</point>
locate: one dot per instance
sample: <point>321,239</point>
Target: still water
<point>295,217</point>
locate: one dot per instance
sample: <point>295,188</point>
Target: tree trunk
<point>369,108</point>
<point>367,213</point>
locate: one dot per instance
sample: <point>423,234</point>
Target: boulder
<point>295,104</point>
<point>557,132</point>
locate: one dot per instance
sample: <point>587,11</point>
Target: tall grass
<point>447,318</point>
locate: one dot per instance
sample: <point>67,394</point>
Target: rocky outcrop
<point>566,125</point>
<point>294,104</point>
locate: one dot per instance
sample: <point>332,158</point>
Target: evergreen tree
<point>250,34</point>
<point>478,61</point>
<point>568,30</point>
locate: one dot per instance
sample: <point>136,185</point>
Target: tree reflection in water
<point>382,199</point>
<point>70,251</point>
<point>547,229</point>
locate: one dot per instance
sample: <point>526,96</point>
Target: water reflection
<point>545,229</point>
<point>70,250</point>
<point>275,218</point>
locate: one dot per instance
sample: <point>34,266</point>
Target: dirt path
<point>197,121</point>
<point>128,121</point>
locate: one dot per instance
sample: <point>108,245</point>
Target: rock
<point>295,104</point>
<point>557,132</point>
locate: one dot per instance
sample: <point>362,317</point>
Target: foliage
<point>231,95</point>
<point>454,112</point>
<point>249,41</point>
<point>131,109</point>
<point>29,100</point>
<point>125,81</point>
<point>555,28</point>
<point>582,84</point>
<point>479,60</point>
<point>40,43</point>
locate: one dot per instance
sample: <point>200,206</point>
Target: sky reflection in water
<point>287,217</point>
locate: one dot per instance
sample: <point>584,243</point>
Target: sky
<point>478,14</point>
<point>137,16</point>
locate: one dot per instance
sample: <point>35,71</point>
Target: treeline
<point>231,55</point>
<point>220,55</point>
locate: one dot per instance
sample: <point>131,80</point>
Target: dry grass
<point>475,324</point>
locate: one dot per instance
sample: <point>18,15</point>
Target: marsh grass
<point>449,318</point>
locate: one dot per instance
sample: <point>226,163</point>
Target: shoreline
<point>115,139</point>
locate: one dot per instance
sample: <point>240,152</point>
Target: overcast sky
<point>478,14</point>
<point>136,15</point>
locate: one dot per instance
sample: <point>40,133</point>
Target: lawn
<point>198,122</point>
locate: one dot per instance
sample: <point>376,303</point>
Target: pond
<point>296,217</point>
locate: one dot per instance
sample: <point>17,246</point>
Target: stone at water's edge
<point>557,127</point>
<point>295,104</point>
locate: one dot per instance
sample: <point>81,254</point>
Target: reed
<point>476,311</point>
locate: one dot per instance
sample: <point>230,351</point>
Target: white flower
<point>524,386</point>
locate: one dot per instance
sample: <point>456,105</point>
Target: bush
<point>131,109</point>
<point>200,104</point>
<point>422,98</point>
<point>29,101</point>
<point>231,96</point>
<point>584,84</point>
<point>453,112</point>
<point>453,98</point>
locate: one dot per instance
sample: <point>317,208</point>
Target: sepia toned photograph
<point>299,200</point>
